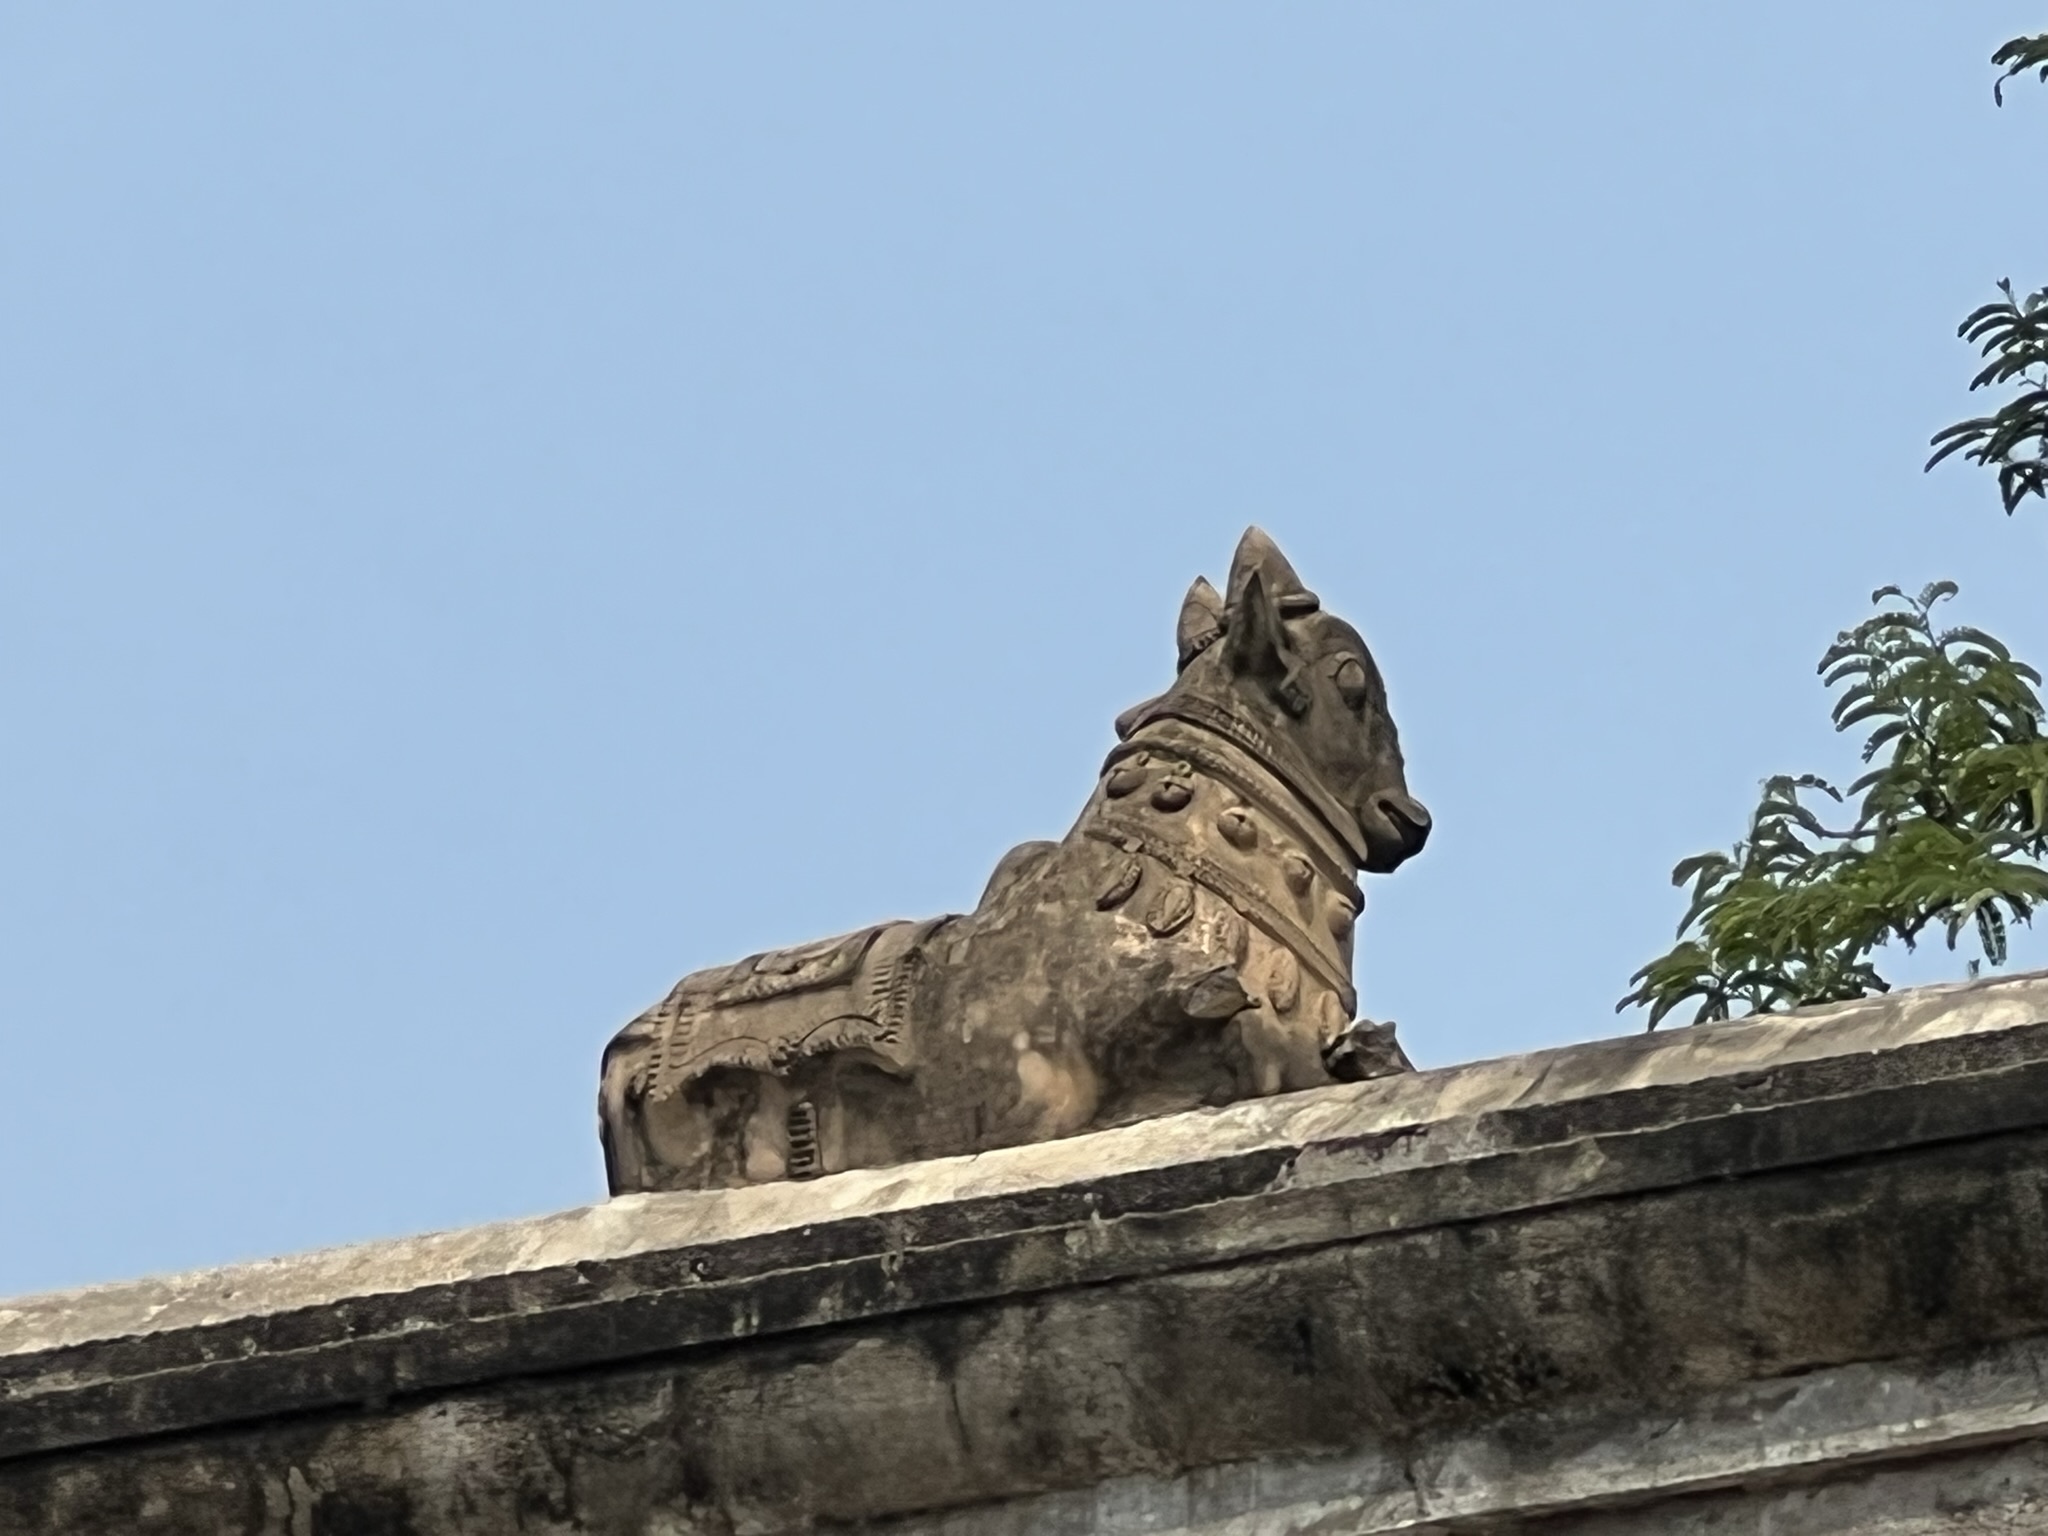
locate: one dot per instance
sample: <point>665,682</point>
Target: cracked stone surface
<point>1748,1277</point>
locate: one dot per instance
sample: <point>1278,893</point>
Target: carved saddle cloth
<point>771,1011</point>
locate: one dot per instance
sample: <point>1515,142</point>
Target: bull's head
<point>1267,651</point>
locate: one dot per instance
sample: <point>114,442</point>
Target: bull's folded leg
<point>1279,1056</point>
<point>1215,996</point>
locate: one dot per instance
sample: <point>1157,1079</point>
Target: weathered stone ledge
<point>1774,1442</point>
<point>1633,1270</point>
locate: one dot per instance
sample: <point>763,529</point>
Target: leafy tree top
<point>2011,335</point>
<point>1949,828</point>
<point>2016,56</point>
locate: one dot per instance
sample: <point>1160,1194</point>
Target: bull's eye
<point>1351,681</point>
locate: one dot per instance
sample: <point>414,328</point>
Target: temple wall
<point>1788,1277</point>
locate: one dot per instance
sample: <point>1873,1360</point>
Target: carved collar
<point>1275,756</point>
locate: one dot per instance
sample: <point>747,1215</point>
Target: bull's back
<point>690,1074</point>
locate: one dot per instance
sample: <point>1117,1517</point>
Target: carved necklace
<point>1276,757</point>
<point>1311,847</point>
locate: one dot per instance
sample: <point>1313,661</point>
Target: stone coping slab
<point>643,1276</point>
<point>1756,1437</point>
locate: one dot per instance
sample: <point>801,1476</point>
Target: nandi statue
<point>1187,943</point>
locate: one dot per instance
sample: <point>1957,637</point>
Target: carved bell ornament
<point>1177,789</point>
<point>1127,777</point>
<point>1238,828</point>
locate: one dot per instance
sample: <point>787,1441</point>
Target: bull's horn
<point>1256,551</point>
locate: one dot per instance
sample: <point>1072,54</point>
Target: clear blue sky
<point>503,505</point>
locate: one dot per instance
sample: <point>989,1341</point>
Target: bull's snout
<point>1396,825</point>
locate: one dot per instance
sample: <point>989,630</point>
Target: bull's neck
<point>1228,734</point>
<point>1244,775</point>
<point>1217,814</point>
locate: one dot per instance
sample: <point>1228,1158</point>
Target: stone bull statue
<point>1187,943</point>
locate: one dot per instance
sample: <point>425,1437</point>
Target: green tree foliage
<point>2017,56</point>
<point>1949,829</point>
<point>2011,335</point>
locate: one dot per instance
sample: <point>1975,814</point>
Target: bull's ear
<point>1255,642</point>
<point>1201,621</point>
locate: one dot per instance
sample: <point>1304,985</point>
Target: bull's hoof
<point>1365,1050</point>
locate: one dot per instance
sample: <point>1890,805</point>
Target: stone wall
<point>1787,1277</point>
